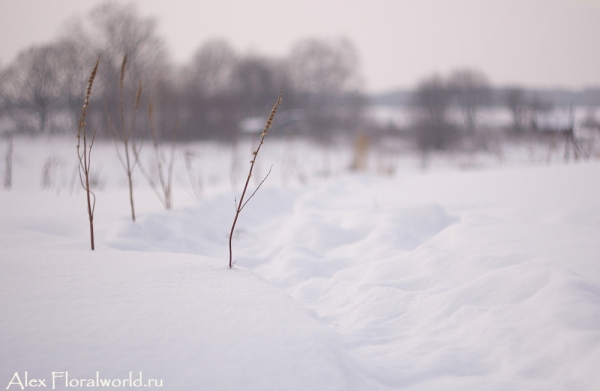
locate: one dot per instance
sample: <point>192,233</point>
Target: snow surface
<point>445,280</point>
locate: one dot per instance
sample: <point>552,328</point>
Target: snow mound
<point>483,280</point>
<point>187,320</point>
<point>456,281</point>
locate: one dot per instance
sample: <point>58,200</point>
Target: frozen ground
<point>445,280</point>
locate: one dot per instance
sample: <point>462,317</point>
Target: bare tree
<point>322,75</point>
<point>432,99</point>
<point>515,100</point>
<point>537,106</point>
<point>109,31</point>
<point>590,120</point>
<point>6,132</point>
<point>72,73</point>
<point>31,84</point>
<point>319,67</point>
<point>3,94</point>
<point>211,69</point>
<point>254,80</point>
<point>209,107</point>
<point>43,86</point>
<point>472,91</point>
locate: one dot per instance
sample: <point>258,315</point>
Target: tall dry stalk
<point>234,167</point>
<point>8,159</point>
<point>84,153</point>
<point>124,133</point>
<point>290,162</point>
<point>196,180</point>
<point>163,165</point>
<point>361,152</point>
<point>241,204</point>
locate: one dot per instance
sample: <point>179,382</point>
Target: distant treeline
<point>220,93</point>
<point>213,96</point>
<point>558,97</point>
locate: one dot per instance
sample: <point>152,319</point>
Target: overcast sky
<point>536,43</point>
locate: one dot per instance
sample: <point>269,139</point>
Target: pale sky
<point>535,43</point>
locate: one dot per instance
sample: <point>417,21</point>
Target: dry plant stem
<point>159,160</point>
<point>170,172</point>
<point>8,162</point>
<point>241,204</point>
<point>195,180</point>
<point>163,187</point>
<point>124,134</point>
<point>84,155</point>
<point>235,164</point>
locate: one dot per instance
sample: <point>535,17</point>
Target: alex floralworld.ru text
<point>63,380</point>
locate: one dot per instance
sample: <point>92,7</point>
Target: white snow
<point>440,280</point>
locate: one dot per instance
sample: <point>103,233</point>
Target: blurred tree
<point>319,67</point>
<point>515,99</point>
<point>472,91</point>
<point>254,83</point>
<point>591,121</point>
<point>537,106</point>
<point>3,97</point>
<point>323,74</point>
<point>5,131</point>
<point>110,31</point>
<point>31,85</point>
<point>432,99</point>
<point>46,82</point>
<point>211,68</point>
<point>72,74</point>
<point>206,84</point>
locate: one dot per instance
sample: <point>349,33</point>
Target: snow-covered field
<point>484,279</point>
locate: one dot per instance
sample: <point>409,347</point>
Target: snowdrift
<point>486,280</point>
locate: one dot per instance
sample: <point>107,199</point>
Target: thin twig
<point>257,187</point>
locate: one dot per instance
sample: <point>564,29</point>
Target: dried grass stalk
<point>241,204</point>
<point>124,134</point>
<point>84,153</point>
<point>164,166</point>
